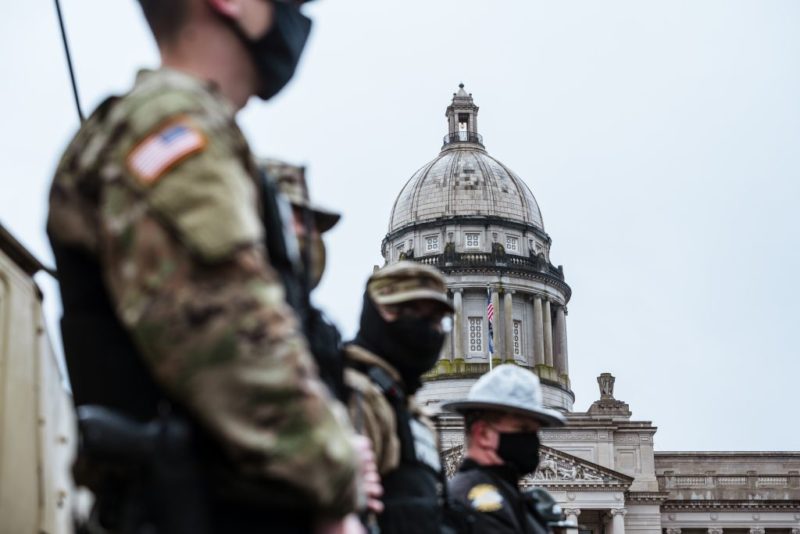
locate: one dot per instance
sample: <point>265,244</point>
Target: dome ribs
<point>417,187</point>
<point>402,196</point>
<point>464,181</point>
<point>489,188</point>
<point>522,192</point>
<point>450,185</point>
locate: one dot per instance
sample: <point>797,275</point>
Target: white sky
<point>661,139</point>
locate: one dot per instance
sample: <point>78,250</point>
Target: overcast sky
<point>661,140</point>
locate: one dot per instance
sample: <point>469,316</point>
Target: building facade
<point>469,215</point>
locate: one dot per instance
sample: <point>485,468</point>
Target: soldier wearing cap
<point>400,337</point>
<point>503,413</point>
<point>308,222</point>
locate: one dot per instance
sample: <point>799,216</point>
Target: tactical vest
<point>412,493</point>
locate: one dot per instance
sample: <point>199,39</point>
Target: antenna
<point>69,62</point>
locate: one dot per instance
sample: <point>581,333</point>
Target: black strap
<point>281,246</point>
<point>397,398</point>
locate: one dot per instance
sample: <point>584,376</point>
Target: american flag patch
<point>154,156</point>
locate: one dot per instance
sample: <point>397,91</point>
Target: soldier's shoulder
<point>364,392</point>
<point>162,95</point>
<point>121,122</point>
<point>358,382</point>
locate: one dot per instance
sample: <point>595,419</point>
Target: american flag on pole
<point>154,156</point>
<point>490,320</point>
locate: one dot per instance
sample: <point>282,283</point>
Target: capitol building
<point>470,216</point>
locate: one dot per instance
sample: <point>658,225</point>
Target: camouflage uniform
<point>382,407</point>
<point>159,188</point>
<point>372,413</point>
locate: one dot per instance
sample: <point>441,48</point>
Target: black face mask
<point>411,345</point>
<point>277,53</point>
<point>520,450</point>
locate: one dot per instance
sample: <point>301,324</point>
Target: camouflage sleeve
<point>374,418</point>
<point>181,249</point>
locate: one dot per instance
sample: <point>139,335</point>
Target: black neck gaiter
<point>410,345</point>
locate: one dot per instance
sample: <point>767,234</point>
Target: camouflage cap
<point>405,281</point>
<point>291,182</point>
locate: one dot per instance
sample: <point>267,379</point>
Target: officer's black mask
<point>277,52</point>
<point>410,345</point>
<point>520,450</point>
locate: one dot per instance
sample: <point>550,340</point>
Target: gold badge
<point>485,498</point>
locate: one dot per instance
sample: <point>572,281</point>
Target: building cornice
<point>646,497</point>
<point>736,506</point>
<point>477,220</point>
<point>493,264</point>
<point>729,454</point>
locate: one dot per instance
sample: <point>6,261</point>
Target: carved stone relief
<point>552,468</point>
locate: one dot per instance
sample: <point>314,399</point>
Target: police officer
<point>503,413</point>
<point>170,303</point>
<point>400,337</point>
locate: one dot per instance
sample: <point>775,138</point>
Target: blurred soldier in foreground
<point>174,318</point>
<point>399,339</point>
<point>502,416</point>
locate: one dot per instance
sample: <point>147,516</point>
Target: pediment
<point>557,470</point>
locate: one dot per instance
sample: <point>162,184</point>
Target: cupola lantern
<point>462,119</point>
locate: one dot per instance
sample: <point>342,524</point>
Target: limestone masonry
<point>469,215</point>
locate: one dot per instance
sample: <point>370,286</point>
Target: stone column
<point>548,334</point>
<point>508,318</point>
<point>617,522</point>
<point>715,530</point>
<point>458,324</point>
<point>571,515</point>
<point>538,331</point>
<point>566,349</point>
<point>560,331</point>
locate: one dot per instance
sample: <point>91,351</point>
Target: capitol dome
<point>472,218</point>
<point>464,180</point>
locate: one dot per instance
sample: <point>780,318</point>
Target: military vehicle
<point>37,420</point>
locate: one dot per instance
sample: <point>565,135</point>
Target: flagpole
<point>490,321</point>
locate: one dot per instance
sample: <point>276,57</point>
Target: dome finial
<point>461,85</point>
